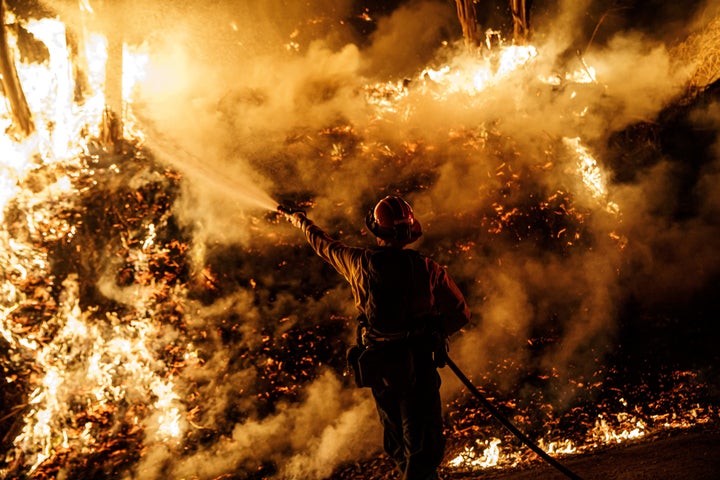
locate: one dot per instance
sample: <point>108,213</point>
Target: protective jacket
<point>429,291</point>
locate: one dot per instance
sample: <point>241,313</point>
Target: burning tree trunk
<point>520,10</point>
<point>112,125</point>
<point>468,21</point>
<point>19,109</point>
<point>521,20</point>
<point>79,67</point>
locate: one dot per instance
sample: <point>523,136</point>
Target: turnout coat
<point>427,291</point>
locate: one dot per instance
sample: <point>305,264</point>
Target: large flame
<point>84,361</point>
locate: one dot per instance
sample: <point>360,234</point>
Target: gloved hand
<point>294,217</point>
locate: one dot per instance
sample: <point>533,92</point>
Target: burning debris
<point>140,338</point>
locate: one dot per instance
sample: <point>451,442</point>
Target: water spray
<point>243,190</point>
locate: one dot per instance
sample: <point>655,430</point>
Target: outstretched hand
<point>294,217</point>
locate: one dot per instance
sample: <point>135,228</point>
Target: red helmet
<point>393,219</point>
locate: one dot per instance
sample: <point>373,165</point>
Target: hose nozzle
<point>289,211</point>
<point>293,215</point>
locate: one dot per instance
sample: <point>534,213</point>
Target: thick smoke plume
<point>265,101</point>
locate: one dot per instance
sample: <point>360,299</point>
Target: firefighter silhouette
<point>408,305</point>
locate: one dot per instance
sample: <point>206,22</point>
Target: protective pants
<point>412,420</point>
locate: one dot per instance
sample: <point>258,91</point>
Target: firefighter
<point>408,305</point>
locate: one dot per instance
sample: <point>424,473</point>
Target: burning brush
<point>125,334</point>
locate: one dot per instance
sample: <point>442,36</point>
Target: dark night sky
<point>652,17</point>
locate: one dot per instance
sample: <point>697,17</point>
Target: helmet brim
<point>404,236</point>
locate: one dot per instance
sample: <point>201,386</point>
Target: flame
<point>603,433</point>
<point>608,428</point>
<point>136,61</point>
<point>49,91</point>
<point>558,447</point>
<point>470,77</point>
<point>474,75</point>
<point>491,456</point>
<point>96,362</point>
<point>591,174</point>
<point>80,357</point>
<point>63,126</point>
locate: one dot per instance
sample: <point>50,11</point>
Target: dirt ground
<point>677,455</point>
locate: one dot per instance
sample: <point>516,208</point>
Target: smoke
<point>408,39</point>
<point>259,111</point>
<point>268,101</point>
<point>329,427</point>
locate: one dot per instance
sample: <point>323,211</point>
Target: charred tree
<point>79,66</point>
<point>468,17</point>
<point>22,118</point>
<point>111,129</point>
<point>112,126</point>
<point>468,21</point>
<point>521,20</point>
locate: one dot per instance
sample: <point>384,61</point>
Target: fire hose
<point>506,422</point>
